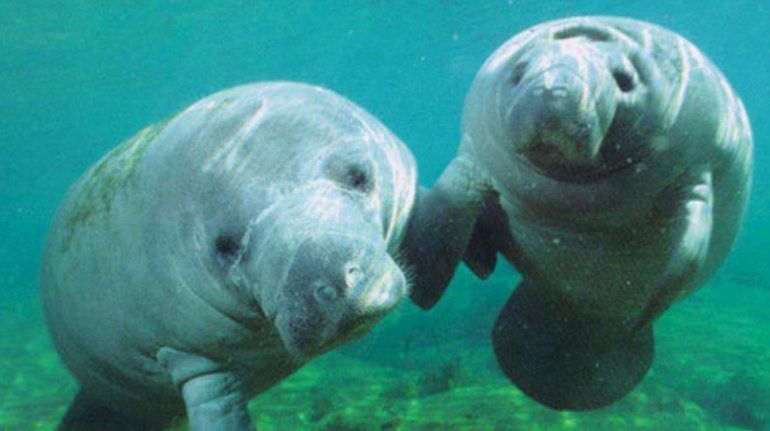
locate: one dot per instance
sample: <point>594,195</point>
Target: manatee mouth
<point>546,157</point>
<point>352,330</point>
<point>309,339</point>
<point>563,148</point>
<point>548,160</point>
<point>337,287</point>
<point>373,305</point>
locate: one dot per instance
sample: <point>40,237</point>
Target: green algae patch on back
<point>97,189</point>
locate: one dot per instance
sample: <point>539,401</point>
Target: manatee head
<point>313,195</point>
<point>319,269</point>
<point>569,98</point>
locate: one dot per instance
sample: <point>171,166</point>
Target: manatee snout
<point>337,286</point>
<point>563,100</point>
<point>319,267</point>
<point>566,130</point>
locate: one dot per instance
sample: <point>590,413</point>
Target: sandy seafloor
<point>711,372</point>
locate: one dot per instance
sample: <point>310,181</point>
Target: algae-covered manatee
<point>213,255</point>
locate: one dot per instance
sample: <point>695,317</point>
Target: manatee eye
<point>227,247</point>
<point>518,73</point>
<point>352,174</point>
<point>357,179</point>
<point>624,80</point>
<point>325,293</point>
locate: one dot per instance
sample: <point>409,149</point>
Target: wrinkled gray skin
<point>211,256</point>
<point>609,161</point>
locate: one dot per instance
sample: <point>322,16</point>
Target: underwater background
<point>79,77</point>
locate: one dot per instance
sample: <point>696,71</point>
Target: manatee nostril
<point>624,80</point>
<point>353,276</point>
<point>325,293</point>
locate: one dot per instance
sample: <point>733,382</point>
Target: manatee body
<point>210,256</point>
<point>609,161</point>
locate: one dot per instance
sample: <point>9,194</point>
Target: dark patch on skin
<point>227,247</point>
<point>358,179</point>
<point>582,30</point>
<point>624,81</point>
<point>352,174</point>
<point>518,72</point>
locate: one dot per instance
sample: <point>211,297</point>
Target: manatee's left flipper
<point>490,234</point>
<point>689,205</point>
<point>440,228</point>
<point>213,397</point>
<point>565,360</point>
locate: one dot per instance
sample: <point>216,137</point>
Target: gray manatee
<point>609,161</point>
<point>212,255</point>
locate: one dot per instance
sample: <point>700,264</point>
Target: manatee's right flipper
<point>85,414</point>
<point>215,403</point>
<point>213,397</point>
<point>564,360</point>
<point>440,228</point>
<point>689,204</point>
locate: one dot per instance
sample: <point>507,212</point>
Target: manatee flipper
<point>564,360</point>
<point>690,203</point>
<point>85,414</point>
<point>214,403</point>
<point>213,397</point>
<point>440,228</point>
<point>490,234</point>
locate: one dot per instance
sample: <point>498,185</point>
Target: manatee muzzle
<point>562,108</point>
<point>337,286</point>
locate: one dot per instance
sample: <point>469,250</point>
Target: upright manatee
<point>212,255</point>
<point>609,161</point>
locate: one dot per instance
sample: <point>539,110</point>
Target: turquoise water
<point>78,77</point>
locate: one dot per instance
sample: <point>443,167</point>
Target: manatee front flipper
<point>689,204</point>
<point>213,397</point>
<point>490,234</point>
<point>564,360</point>
<point>86,414</point>
<point>440,228</point>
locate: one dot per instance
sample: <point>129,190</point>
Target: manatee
<point>214,254</point>
<point>609,161</point>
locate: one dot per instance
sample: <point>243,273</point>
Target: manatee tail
<point>564,360</point>
<point>85,414</point>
